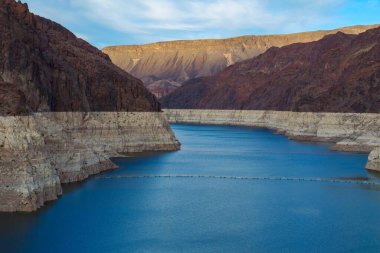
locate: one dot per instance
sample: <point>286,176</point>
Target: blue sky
<point>115,22</point>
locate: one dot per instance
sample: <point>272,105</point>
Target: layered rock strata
<point>356,132</point>
<point>39,152</point>
<point>164,66</point>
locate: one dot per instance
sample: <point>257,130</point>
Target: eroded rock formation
<point>39,152</point>
<point>36,159</point>
<point>164,66</point>
<point>339,73</point>
<point>374,160</point>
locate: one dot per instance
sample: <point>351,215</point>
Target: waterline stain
<point>229,189</point>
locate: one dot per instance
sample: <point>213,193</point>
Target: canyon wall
<point>164,66</point>
<point>65,109</point>
<point>45,67</point>
<point>339,73</point>
<point>39,152</point>
<point>356,132</point>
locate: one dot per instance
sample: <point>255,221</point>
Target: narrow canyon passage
<point>230,189</point>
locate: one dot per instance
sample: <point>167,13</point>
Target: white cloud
<point>82,36</point>
<point>144,21</point>
<point>144,16</point>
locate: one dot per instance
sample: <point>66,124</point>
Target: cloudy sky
<point>114,22</point>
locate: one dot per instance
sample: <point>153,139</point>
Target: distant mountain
<point>44,67</point>
<point>339,73</point>
<point>164,66</point>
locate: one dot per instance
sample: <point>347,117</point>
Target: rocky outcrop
<point>164,66</point>
<point>39,152</point>
<point>339,73</point>
<point>374,160</point>
<point>356,132</point>
<point>44,67</point>
<point>65,109</point>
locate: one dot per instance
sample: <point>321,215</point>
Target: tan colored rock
<point>41,151</point>
<point>355,132</point>
<point>374,160</point>
<point>168,64</point>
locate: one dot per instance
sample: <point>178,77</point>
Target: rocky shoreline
<point>353,132</point>
<point>41,151</point>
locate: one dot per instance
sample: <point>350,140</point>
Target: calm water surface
<point>114,213</point>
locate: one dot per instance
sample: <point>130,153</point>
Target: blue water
<point>116,213</point>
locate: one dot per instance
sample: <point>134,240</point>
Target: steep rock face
<point>357,132</point>
<point>39,152</point>
<point>50,85</point>
<point>25,165</point>
<point>45,67</point>
<point>339,73</point>
<point>164,66</point>
<point>12,100</point>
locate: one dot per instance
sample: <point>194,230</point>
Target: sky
<point>125,22</point>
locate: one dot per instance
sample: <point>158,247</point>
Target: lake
<point>230,189</point>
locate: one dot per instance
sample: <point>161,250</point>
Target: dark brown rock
<point>44,67</point>
<point>12,100</point>
<point>339,73</point>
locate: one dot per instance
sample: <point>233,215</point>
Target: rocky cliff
<point>164,66</point>
<point>39,152</point>
<point>65,109</point>
<point>339,73</point>
<point>356,132</point>
<point>44,67</point>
